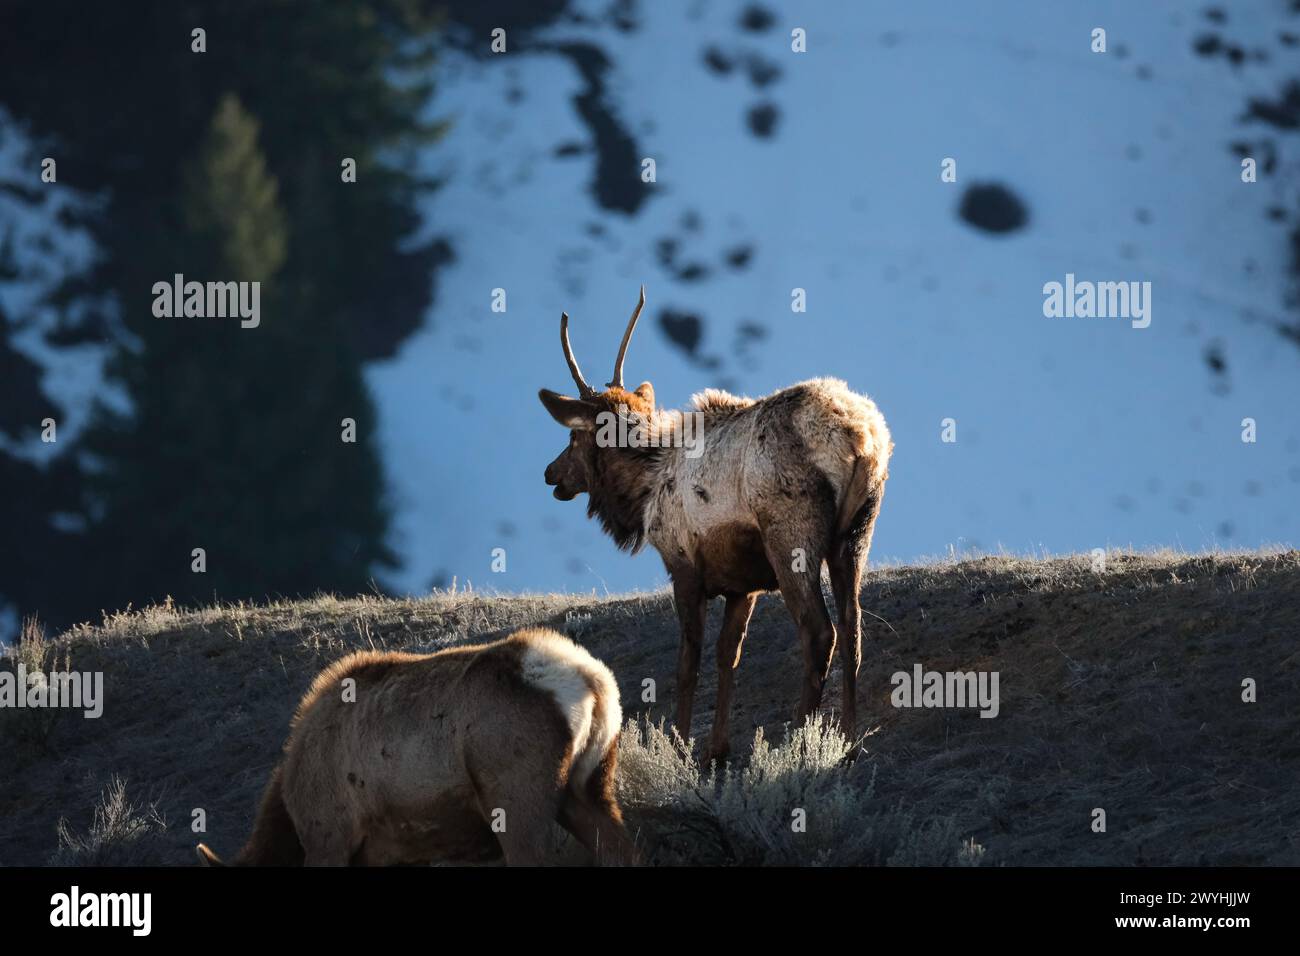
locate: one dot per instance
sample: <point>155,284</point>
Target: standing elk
<point>781,485</point>
<point>430,751</point>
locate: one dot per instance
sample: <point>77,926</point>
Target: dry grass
<point>1119,690</point>
<point>28,730</point>
<point>122,834</point>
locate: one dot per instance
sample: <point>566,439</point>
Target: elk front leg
<point>734,623</point>
<point>689,598</point>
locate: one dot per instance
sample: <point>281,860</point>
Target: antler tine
<point>627,337</point>
<point>584,390</point>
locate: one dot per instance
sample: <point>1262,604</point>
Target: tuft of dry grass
<point>122,834</point>
<point>29,729</point>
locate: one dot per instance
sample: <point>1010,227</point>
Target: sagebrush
<point>798,803</point>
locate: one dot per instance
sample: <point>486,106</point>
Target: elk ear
<point>572,413</point>
<point>646,391</point>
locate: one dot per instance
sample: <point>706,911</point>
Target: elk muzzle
<point>553,477</point>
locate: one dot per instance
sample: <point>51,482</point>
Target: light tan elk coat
<point>435,748</point>
<point>784,483</point>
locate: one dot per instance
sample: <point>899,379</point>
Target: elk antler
<point>627,337</point>
<point>584,390</point>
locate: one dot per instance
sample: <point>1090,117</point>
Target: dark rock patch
<point>693,272</point>
<point>762,119</point>
<point>617,185</point>
<point>1215,360</point>
<point>666,252</point>
<point>993,208</point>
<point>683,330</point>
<point>738,257</point>
<point>718,62</point>
<point>622,14</point>
<point>1207,44</point>
<point>756,19</point>
<point>762,71</point>
<point>1282,113</point>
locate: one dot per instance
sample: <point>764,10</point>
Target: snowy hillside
<point>820,170</point>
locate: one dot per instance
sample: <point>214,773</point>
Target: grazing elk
<point>468,753</point>
<point>781,484</point>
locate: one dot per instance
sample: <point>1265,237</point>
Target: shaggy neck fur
<point>627,477</point>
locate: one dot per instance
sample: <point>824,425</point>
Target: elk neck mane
<point>624,479</point>
<point>627,476</point>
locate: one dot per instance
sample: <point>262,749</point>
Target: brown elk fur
<point>784,484</point>
<point>431,749</point>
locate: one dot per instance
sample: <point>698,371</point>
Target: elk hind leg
<point>846,581</point>
<point>801,587</point>
<point>591,813</point>
<point>520,792</point>
<point>847,562</point>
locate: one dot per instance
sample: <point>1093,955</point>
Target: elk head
<point>575,470</point>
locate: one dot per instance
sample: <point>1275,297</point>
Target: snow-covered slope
<point>1071,433</point>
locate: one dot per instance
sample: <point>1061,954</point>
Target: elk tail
<point>585,692</point>
<point>858,494</point>
<point>592,775</point>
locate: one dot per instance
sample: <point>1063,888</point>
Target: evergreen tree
<point>233,440</point>
<point>230,440</point>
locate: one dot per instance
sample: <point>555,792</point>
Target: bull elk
<point>465,754</point>
<point>783,484</point>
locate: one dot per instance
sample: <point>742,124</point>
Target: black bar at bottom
<point>638,906</point>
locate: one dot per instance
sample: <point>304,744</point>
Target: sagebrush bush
<point>122,834</point>
<point>793,804</point>
<point>654,768</point>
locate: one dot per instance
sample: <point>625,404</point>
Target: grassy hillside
<point>1120,690</point>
